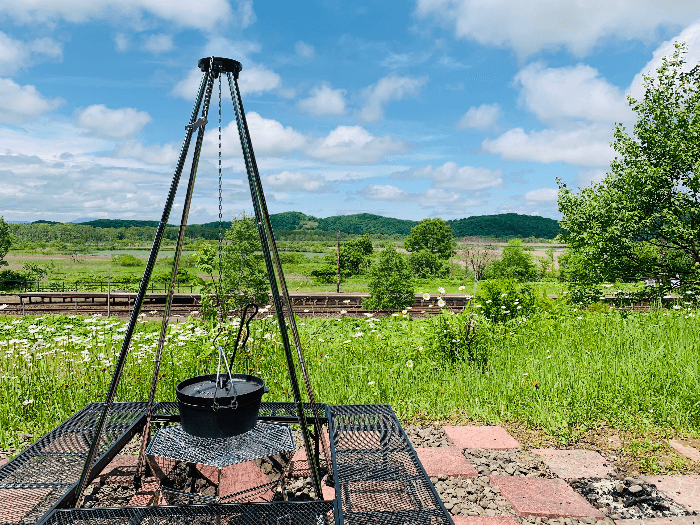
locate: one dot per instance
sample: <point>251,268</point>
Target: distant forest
<point>293,226</point>
<point>502,226</point>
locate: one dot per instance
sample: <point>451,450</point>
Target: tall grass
<point>559,369</point>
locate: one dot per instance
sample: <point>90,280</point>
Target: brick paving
<point>681,489</point>
<point>550,498</point>
<point>496,438</point>
<point>688,451</point>
<point>575,464</point>
<point>485,520</point>
<point>445,461</point>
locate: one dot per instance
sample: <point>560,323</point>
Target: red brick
<point>484,520</point>
<point>681,489</point>
<point>573,464</point>
<point>688,451</point>
<point>328,492</point>
<point>244,476</point>
<point>15,504</point>
<point>481,437</point>
<point>672,520</point>
<point>120,470</point>
<point>373,496</point>
<point>551,498</point>
<point>145,494</point>
<point>445,461</point>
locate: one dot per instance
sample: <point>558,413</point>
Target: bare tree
<point>478,252</point>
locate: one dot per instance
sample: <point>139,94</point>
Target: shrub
<point>425,264</point>
<point>514,264</point>
<point>390,283</point>
<point>504,299</point>
<point>126,259</point>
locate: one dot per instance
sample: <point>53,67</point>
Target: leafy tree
<point>244,276</point>
<point>354,259</point>
<point>515,263</point>
<point>425,264</point>
<point>355,253</point>
<point>433,235</point>
<point>390,283</point>
<point>6,239</point>
<point>643,219</point>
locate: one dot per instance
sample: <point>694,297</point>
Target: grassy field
<point>560,370</point>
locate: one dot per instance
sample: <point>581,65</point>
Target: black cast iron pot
<point>211,410</point>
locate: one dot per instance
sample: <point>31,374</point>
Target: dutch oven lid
<point>203,389</point>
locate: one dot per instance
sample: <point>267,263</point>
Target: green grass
<point>561,370</point>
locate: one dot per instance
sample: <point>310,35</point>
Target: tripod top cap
<point>222,65</point>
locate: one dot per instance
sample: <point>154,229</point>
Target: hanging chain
<point>222,311</point>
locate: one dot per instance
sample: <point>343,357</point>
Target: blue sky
<point>431,108</point>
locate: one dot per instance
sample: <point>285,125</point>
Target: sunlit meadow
<point>558,369</point>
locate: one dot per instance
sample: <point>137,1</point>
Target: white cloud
<point>482,117</point>
<point>112,123</point>
<point>17,103</point>
<point>16,54</point>
<point>304,50</point>
<point>296,181</point>
<point>528,26</point>
<point>453,177</point>
<point>542,195</point>
<point>254,80</point>
<point>438,197</point>
<point>582,144</point>
<point>154,154</point>
<point>385,90</point>
<point>269,138</point>
<point>577,92</point>
<point>257,79</point>
<point>379,192</point>
<point>323,101</point>
<point>690,35</point>
<point>204,14</point>
<point>158,44</point>
<point>121,42</point>
<point>354,145</point>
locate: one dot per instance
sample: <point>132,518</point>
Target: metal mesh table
<point>278,513</point>
<point>264,440</point>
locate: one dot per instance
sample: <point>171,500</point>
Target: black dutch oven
<point>211,409</point>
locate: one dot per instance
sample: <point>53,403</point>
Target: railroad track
<point>185,305</point>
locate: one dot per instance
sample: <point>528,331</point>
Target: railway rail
<point>119,304</point>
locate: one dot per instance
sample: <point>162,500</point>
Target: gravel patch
<point>537,520</point>
<point>424,436</point>
<point>507,463</point>
<point>471,497</point>
<point>630,498</point>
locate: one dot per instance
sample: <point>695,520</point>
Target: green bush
<point>425,264</point>
<point>126,259</point>
<point>505,299</point>
<point>390,283</point>
<point>515,263</point>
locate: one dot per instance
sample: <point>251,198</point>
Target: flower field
<point>559,369</point>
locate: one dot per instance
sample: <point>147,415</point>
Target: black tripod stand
<point>213,69</point>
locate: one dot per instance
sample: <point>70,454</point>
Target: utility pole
<point>109,290</point>
<point>337,281</point>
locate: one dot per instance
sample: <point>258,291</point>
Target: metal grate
<point>44,475</point>
<point>264,440</point>
<point>377,473</point>
<point>269,411</point>
<point>278,513</point>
